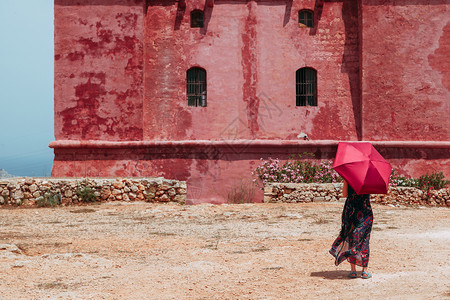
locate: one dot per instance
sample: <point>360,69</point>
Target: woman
<point>353,240</point>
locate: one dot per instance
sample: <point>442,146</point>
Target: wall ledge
<point>86,144</point>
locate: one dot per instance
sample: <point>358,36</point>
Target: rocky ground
<point>122,250</point>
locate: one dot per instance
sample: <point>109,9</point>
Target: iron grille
<point>196,87</point>
<point>306,87</point>
<point>306,17</point>
<point>196,19</point>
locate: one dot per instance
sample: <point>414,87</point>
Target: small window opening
<point>196,19</point>
<point>306,87</point>
<point>196,87</point>
<point>306,18</point>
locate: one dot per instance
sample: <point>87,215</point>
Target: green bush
<point>86,194</point>
<point>241,193</point>
<point>434,181</point>
<point>49,200</point>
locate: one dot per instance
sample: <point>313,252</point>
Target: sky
<point>26,85</point>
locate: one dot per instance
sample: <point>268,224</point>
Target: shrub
<point>434,181</point>
<point>303,169</point>
<point>49,200</point>
<point>398,180</point>
<point>298,169</point>
<point>241,193</point>
<point>86,193</point>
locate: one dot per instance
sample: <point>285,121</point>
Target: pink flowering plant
<point>297,169</point>
<point>398,180</point>
<point>434,181</point>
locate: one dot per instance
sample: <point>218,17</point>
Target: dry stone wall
<point>35,191</point>
<point>324,192</point>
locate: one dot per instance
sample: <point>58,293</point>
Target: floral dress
<point>353,240</point>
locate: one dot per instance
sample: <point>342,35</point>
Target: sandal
<point>352,275</point>
<point>365,275</point>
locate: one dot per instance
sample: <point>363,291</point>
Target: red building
<point>201,90</point>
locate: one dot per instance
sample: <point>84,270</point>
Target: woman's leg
<point>364,274</point>
<point>352,274</point>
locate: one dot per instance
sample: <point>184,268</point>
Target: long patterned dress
<point>353,240</point>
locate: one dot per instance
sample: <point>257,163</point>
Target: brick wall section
<point>325,192</point>
<point>30,191</point>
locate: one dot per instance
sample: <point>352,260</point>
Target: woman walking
<point>353,240</point>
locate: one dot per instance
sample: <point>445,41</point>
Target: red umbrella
<point>360,164</point>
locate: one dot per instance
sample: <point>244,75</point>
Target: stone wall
<point>36,191</point>
<point>325,192</point>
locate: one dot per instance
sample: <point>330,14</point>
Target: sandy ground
<point>248,251</point>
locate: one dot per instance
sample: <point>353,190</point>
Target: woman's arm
<point>345,189</point>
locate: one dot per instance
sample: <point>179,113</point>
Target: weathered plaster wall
<point>251,51</point>
<point>406,69</point>
<point>98,69</point>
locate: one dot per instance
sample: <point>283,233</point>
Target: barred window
<point>306,87</point>
<point>196,19</point>
<point>196,87</point>
<point>306,18</point>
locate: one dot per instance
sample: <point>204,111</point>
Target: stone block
<point>267,198</point>
<point>18,195</point>
<point>118,185</point>
<point>33,188</point>
<point>180,199</point>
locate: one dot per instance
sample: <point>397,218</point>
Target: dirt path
<point>249,251</point>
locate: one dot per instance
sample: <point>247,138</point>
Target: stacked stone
<point>413,196</point>
<point>30,191</point>
<point>316,192</point>
<point>302,192</point>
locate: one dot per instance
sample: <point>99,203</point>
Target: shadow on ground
<point>332,275</point>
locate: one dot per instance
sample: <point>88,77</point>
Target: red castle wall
<point>406,75</point>
<point>251,51</point>
<point>120,86</point>
<point>98,70</point>
<point>406,70</point>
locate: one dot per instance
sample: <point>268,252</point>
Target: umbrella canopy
<point>360,164</point>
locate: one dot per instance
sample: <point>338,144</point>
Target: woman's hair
<point>351,191</point>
